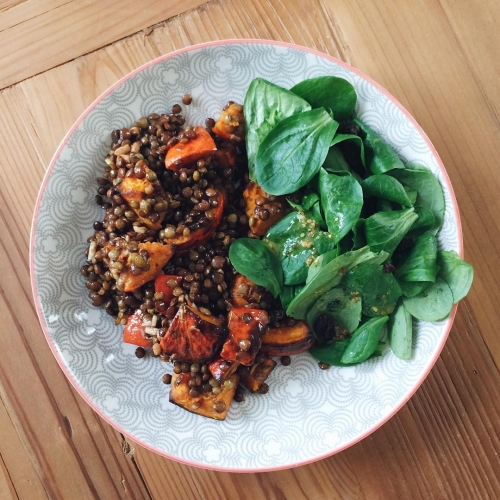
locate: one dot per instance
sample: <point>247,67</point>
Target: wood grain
<point>48,33</point>
<point>18,470</point>
<point>439,58</point>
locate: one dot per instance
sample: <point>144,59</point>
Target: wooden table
<point>438,57</point>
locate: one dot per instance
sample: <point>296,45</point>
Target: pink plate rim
<point>175,53</point>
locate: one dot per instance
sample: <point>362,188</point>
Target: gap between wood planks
<point>129,451</point>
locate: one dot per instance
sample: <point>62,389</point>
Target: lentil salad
<point>159,256</point>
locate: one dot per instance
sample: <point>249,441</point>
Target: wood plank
<point>8,4</point>
<point>474,27</point>
<point>50,33</point>
<point>16,462</point>
<point>7,490</point>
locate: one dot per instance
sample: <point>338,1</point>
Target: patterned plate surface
<point>308,414</point>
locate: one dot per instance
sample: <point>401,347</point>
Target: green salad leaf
<point>380,157</point>
<point>433,304</point>
<point>255,260</point>
<point>331,353</point>
<point>320,262</point>
<point>456,272</point>
<point>288,292</point>
<point>387,188</point>
<point>335,162</point>
<point>429,191</point>
<point>421,263</point>
<point>297,239</point>
<point>293,151</point>
<point>412,288</point>
<point>379,291</point>
<point>401,332</point>
<point>329,277</point>
<point>364,341</point>
<point>329,92</point>
<point>265,105</point>
<point>341,201</point>
<point>341,305</point>
<point>351,140</point>
<point>359,248</point>
<point>424,223</point>
<point>385,230</point>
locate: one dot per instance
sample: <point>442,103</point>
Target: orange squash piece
<point>246,327</point>
<point>193,336</point>
<point>231,124</point>
<point>287,340</point>
<point>252,377</point>
<point>221,369</point>
<point>245,292</point>
<point>207,404</point>
<point>133,332</point>
<point>262,210</point>
<point>133,189</point>
<point>200,148</point>
<point>225,156</point>
<point>159,255</point>
<point>201,235</point>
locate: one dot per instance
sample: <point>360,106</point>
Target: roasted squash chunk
<point>134,332</point>
<point>203,232</point>
<point>246,327</point>
<point>225,156</point>
<point>158,255</point>
<point>200,148</point>
<point>193,336</point>
<point>287,340</point>
<point>231,124</point>
<point>206,404</point>
<point>263,210</point>
<point>245,292</point>
<point>252,377</point>
<point>221,369</point>
<point>136,191</point>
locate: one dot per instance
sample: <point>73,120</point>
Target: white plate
<point>308,414</point>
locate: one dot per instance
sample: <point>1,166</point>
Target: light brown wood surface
<point>438,57</point>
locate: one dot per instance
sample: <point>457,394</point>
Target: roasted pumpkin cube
<point>246,327</point>
<point>252,377</point>
<point>221,369</point>
<point>212,218</point>
<point>159,255</point>
<point>206,404</point>
<point>263,210</point>
<point>200,148</point>
<point>134,332</point>
<point>245,292</point>
<point>193,336</point>
<point>287,340</point>
<point>225,156</point>
<point>231,124</point>
<point>136,190</point>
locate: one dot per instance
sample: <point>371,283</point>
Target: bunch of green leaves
<point>360,244</point>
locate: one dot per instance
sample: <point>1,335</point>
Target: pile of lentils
<point>183,198</point>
